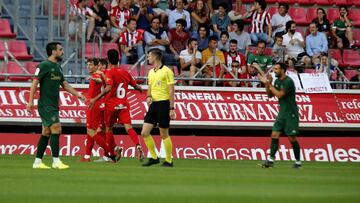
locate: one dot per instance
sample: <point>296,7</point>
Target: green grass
<point>189,181</point>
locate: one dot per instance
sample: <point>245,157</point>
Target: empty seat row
<point>5,29</point>
<point>14,68</point>
<point>17,48</point>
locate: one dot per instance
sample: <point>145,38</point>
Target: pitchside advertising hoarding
<point>203,107</point>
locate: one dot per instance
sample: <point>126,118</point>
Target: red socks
<point>102,143</point>
<point>133,135</point>
<point>110,140</point>
<point>89,144</point>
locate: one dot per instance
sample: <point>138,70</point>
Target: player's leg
<point>164,124</point>
<point>41,147</point>
<point>54,144</point>
<point>275,136</point>
<point>296,150</point>
<point>89,142</point>
<point>110,119</point>
<point>291,130</point>
<point>135,139</point>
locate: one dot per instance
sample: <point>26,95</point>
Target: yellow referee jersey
<point>159,82</point>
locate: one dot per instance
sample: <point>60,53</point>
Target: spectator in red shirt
<point>81,10</point>
<point>234,55</point>
<point>233,74</point>
<point>118,17</point>
<point>178,38</point>
<point>131,43</point>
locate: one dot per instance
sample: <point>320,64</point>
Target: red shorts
<point>94,118</point>
<point>113,116</point>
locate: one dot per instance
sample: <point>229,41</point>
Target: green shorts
<point>289,124</point>
<point>49,115</point>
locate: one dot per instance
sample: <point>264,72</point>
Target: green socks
<point>296,149</point>
<point>54,144</point>
<point>42,144</point>
<point>274,147</point>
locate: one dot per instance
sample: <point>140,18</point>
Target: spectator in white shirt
<point>179,12</point>
<point>279,19</point>
<point>190,60</point>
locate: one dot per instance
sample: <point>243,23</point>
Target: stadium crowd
<point>211,39</point>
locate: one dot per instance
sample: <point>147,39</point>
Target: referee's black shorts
<point>158,113</point>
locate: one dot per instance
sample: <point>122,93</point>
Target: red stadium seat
<point>332,14</point>
<point>128,67</point>
<point>335,54</point>
<point>5,29</point>
<point>272,10</point>
<point>342,2</point>
<point>287,1</point>
<point>351,57</point>
<point>56,8</point>
<point>108,46</point>
<point>91,51</point>
<point>298,14</point>
<point>311,14</point>
<point>271,1</point>
<point>324,2</point>
<point>305,2</point>
<point>14,68</point>
<point>248,1</point>
<point>31,67</point>
<point>355,2</point>
<point>19,50</point>
<point>2,50</point>
<point>349,73</point>
<point>356,35</point>
<point>354,16</point>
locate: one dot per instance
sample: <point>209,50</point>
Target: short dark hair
<point>191,40</point>
<point>93,60</point>
<point>233,41</point>
<point>52,46</point>
<point>282,66</point>
<point>103,62</point>
<point>156,17</point>
<point>284,5</point>
<point>203,25</point>
<point>181,21</point>
<point>278,36</point>
<point>213,38</point>
<point>262,3</point>
<point>224,5</point>
<point>260,42</point>
<point>224,33</point>
<point>240,24</point>
<point>340,7</point>
<point>113,56</point>
<point>131,19</point>
<point>288,24</point>
<point>157,52</point>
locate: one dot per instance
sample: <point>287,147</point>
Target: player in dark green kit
<point>50,76</point>
<point>287,121</point>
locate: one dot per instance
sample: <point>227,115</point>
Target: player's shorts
<point>113,116</point>
<point>49,115</point>
<point>158,113</point>
<point>289,124</point>
<point>94,118</point>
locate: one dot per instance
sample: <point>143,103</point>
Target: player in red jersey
<point>93,114</point>
<point>117,108</point>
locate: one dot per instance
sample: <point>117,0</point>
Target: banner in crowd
<point>329,149</point>
<point>202,107</point>
<point>315,82</point>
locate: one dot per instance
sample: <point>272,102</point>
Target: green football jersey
<point>288,102</point>
<point>340,27</point>
<point>50,76</point>
<point>262,60</point>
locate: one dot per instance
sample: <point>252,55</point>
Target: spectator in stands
<point>102,20</point>
<point>241,36</point>
<point>143,14</point>
<point>203,36</point>
<point>316,44</point>
<point>237,12</point>
<point>178,38</point>
<point>328,67</point>
<point>190,60</point>
<point>81,10</point>
<point>260,19</point>
<point>321,21</point>
<point>253,72</point>
<point>160,6</point>
<point>341,29</point>
<point>179,13</point>
<point>356,78</point>
<point>214,60</point>
<point>265,62</point>
<point>294,43</point>
<point>215,4</point>
<point>199,15</point>
<point>234,55</point>
<point>279,50</point>
<point>279,20</point>
<point>233,74</point>
<point>131,43</point>
<point>118,18</point>
<point>221,21</point>
<point>223,44</point>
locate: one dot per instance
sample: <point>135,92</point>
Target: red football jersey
<point>95,89</point>
<point>119,80</point>
<point>229,59</point>
<point>121,16</point>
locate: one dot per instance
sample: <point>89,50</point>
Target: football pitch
<point>189,181</point>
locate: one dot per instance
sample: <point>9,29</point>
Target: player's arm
<point>30,104</point>
<point>171,99</point>
<point>72,91</point>
<point>277,93</point>
<point>100,95</point>
<point>267,81</point>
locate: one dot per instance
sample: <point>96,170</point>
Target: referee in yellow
<point>160,97</point>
